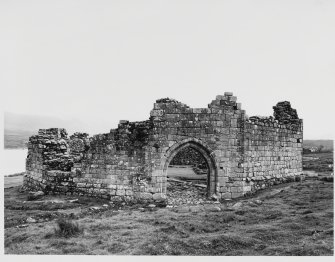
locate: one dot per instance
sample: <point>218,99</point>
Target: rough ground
<point>319,162</point>
<point>185,186</point>
<point>289,219</point>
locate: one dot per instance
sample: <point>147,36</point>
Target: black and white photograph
<point>189,128</point>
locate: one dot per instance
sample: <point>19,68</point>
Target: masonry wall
<point>244,154</point>
<point>218,128</point>
<point>115,163</point>
<point>272,155</point>
<point>47,151</point>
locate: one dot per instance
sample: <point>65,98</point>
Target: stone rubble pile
<point>168,100</point>
<point>179,193</point>
<point>200,171</point>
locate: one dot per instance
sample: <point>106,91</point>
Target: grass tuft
<point>67,228</point>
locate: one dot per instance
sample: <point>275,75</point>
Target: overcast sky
<point>102,61</point>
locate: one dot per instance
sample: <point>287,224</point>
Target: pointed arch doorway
<point>207,155</point>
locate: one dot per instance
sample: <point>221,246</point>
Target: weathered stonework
<point>242,154</point>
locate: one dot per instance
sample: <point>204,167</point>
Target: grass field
<point>288,219</point>
<point>319,162</point>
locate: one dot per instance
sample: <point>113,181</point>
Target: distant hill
<point>327,144</point>
<point>16,138</point>
<point>18,127</point>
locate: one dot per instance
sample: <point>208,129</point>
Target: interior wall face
<point>243,154</point>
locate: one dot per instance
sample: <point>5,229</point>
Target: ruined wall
<point>46,151</point>
<point>114,164</point>
<point>104,165</point>
<point>272,150</point>
<point>243,154</point>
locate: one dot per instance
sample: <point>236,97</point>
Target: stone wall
<point>242,154</point>
<point>272,148</point>
<point>46,151</point>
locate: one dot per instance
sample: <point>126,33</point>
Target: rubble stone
<point>31,220</point>
<point>237,205</point>
<point>35,195</point>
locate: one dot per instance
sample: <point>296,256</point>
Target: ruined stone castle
<point>243,154</point>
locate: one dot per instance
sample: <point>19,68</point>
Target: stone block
<point>129,192</point>
<point>236,194</point>
<point>226,195</point>
<point>233,98</point>
<point>146,195</point>
<point>159,196</point>
<point>112,186</point>
<point>234,189</point>
<point>120,192</point>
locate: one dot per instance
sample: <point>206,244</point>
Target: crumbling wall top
<point>53,132</point>
<point>52,144</point>
<point>284,116</point>
<point>283,112</point>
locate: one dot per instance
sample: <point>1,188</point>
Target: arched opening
<point>191,173</point>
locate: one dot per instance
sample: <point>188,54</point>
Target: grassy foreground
<point>289,219</point>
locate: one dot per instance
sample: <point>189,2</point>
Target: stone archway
<point>200,147</point>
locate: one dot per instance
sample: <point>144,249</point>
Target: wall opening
<point>190,173</point>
